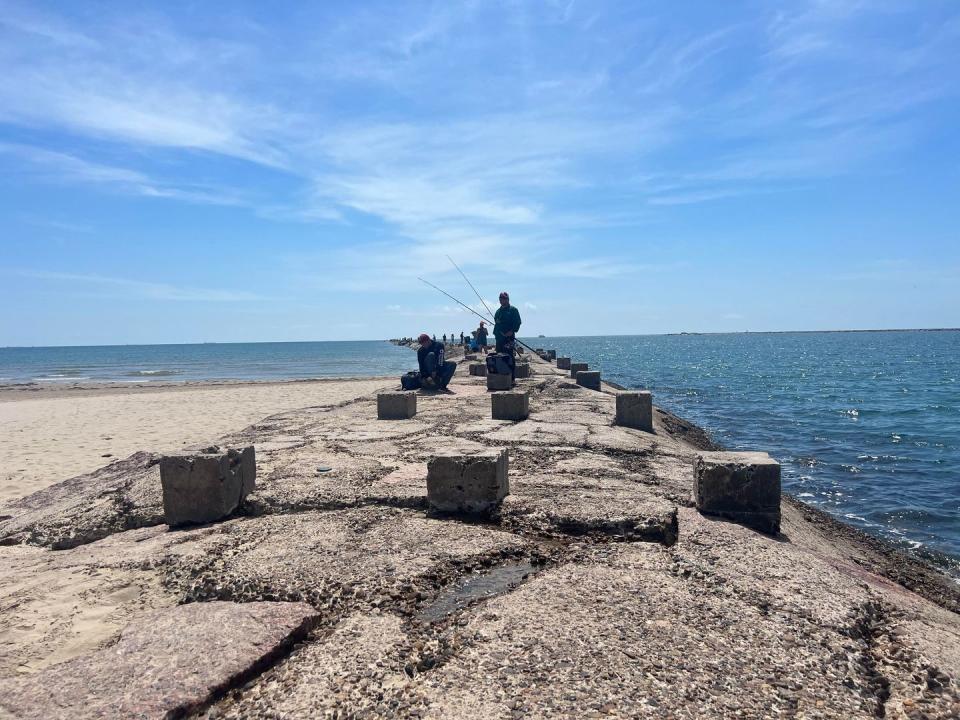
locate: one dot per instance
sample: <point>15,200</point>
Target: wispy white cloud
<point>463,129</point>
<point>49,166</point>
<point>138,288</point>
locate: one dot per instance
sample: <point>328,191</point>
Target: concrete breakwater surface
<point>593,590</point>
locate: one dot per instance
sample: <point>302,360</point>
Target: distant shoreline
<point>527,337</point>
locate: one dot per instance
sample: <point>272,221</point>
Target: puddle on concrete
<point>494,581</point>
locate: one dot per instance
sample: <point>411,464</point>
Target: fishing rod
<point>479,296</point>
<point>473,311</point>
<point>485,302</point>
<point>455,300</point>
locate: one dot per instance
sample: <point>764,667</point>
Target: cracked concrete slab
<point>559,504</point>
<point>353,558</point>
<point>166,663</point>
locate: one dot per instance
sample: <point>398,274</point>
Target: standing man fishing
<point>481,333</point>
<point>506,324</point>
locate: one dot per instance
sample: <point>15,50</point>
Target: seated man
<point>435,371</point>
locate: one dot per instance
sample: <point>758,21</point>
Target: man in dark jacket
<point>435,370</point>
<point>481,333</point>
<point>506,324</point>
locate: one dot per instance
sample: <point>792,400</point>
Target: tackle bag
<point>411,381</point>
<point>500,364</point>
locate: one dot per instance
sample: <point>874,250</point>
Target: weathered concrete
<point>499,381</point>
<point>207,486</point>
<point>589,379</point>
<point>741,486</point>
<point>635,409</point>
<point>473,483</point>
<point>396,405</point>
<point>470,357</point>
<point>563,363</point>
<point>551,355</point>
<point>166,664</point>
<point>633,604</point>
<point>523,370</point>
<point>577,367</point>
<point>73,512</point>
<point>510,405</point>
<point>479,369</point>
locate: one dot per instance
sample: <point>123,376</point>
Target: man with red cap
<point>506,324</point>
<point>435,371</point>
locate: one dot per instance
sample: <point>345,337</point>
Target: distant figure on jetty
<point>507,322</point>
<point>481,333</point>
<point>461,338</point>
<point>444,339</point>
<point>435,370</point>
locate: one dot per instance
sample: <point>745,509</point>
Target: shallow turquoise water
<point>212,361</point>
<point>867,425</point>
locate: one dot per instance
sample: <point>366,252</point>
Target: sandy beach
<point>49,434</point>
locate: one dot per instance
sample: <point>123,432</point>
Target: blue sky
<point>186,172</point>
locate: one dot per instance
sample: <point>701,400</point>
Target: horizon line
<point>527,337</point>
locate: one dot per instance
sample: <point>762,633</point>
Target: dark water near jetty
<point>866,424</point>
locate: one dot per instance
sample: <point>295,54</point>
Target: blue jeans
<point>443,374</point>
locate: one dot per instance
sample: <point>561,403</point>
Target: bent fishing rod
<point>475,292</point>
<point>427,282</point>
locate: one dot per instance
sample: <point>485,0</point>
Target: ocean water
<point>213,361</point>
<point>866,424</point>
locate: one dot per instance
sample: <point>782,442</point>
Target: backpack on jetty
<point>500,364</point>
<point>411,381</point>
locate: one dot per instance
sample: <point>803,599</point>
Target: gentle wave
<point>153,373</point>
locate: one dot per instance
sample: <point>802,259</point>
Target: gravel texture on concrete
<point>596,590</point>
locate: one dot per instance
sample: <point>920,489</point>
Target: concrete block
<point>563,363</point>
<point>497,381</point>
<point>396,405</point>
<point>523,370</point>
<point>510,405</point>
<point>742,486</point>
<point>635,409</point>
<point>474,483</point>
<point>589,379</point>
<point>577,367</point>
<point>206,486</point>
<point>470,356</point>
<point>479,369</point>
<point>551,354</point>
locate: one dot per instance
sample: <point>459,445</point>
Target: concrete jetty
<point>510,405</point>
<point>468,483</point>
<point>393,405</point>
<point>353,584</point>
<point>635,409</point>
<point>499,381</point>
<point>206,486</point>
<point>589,379</point>
<point>742,486</point>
